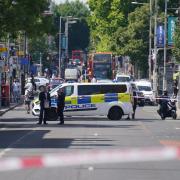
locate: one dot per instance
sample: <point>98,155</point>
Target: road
<point>20,136</point>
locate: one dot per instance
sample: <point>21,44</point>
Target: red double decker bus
<point>77,57</point>
<point>101,65</point>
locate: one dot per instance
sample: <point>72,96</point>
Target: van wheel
<point>115,113</point>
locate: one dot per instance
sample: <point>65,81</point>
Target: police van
<point>92,99</point>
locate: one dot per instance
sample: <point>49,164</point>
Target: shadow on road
<point>36,139</point>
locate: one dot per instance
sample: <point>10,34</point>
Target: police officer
<point>45,103</point>
<point>60,105</point>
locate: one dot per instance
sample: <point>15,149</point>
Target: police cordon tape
<point>91,157</point>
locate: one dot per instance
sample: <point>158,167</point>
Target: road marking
<point>2,129</point>
<point>2,153</point>
<point>95,134</point>
<point>91,168</point>
<point>10,147</point>
<point>177,128</point>
<point>144,127</point>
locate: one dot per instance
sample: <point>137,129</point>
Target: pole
<point>67,36</point>
<point>155,51</point>
<point>165,49</point>
<point>40,59</point>
<point>60,19</point>
<point>150,36</point>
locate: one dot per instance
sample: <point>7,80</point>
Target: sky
<point>60,1</point>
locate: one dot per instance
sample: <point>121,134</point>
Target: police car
<point>93,99</point>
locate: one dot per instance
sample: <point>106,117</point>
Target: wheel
<point>174,115</point>
<point>162,116</point>
<point>115,113</point>
<point>51,114</point>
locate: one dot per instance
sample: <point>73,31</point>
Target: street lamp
<point>165,48</point>
<point>69,20</point>
<point>150,33</point>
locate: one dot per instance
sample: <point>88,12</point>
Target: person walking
<point>27,100</point>
<point>60,105</point>
<point>45,103</point>
<point>15,88</point>
<point>134,102</point>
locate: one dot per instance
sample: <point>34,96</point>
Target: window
<point>113,89</point>
<point>101,89</point>
<point>89,89</point>
<point>69,90</point>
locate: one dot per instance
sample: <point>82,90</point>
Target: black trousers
<point>61,114</point>
<point>43,115</point>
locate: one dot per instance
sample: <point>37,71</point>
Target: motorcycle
<point>168,110</point>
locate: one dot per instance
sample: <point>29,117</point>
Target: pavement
<point>3,110</point>
<point>20,136</point>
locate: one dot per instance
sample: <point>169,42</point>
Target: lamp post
<point>165,48</point>
<point>150,33</point>
<point>155,51</point>
<point>60,20</point>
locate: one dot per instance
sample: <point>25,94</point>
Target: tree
<point>106,17</point>
<point>79,33</point>
<point>132,40</point>
<point>176,50</point>
<point>23,15</point>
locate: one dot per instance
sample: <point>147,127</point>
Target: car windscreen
<point>55,89</point>
<point>144,88</point>
<point>123,79</point>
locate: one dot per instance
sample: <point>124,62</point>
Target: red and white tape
<point>91,157</point>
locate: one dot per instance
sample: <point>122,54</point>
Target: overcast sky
<point>60,1</point>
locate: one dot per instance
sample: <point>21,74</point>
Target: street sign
<point>3,49</point>
<point>63,42</point>
<point>160,36</point>
<point>171,29</point>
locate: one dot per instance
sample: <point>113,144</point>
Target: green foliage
<point>106,17</point>
<point>23,15</point>
<point>79,33</point>
<point>176,50</point>
<point>132,40</point>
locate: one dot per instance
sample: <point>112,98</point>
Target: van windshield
<point>123,79</point>
<point>144,88</point>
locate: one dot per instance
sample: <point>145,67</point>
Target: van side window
<point>113,89</point>
<point>89,89</point>
<point>69,90</point>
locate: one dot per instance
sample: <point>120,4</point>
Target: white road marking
<point>10,147</point>
<point>91,168</point>
<point>177,128</point>
<point>95,134</point>
<point>2,129</point>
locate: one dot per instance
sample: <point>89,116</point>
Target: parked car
<point>145,87</point>
<point>39,81</point>
<point>123,78</point>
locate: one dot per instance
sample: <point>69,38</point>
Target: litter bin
<point>5,91</point>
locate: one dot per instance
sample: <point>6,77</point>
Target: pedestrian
<point>60,105</point>
<point>175,87</point>
<point>134,102</point>
<point>27,100</point>
<point>45,104</point>
<point>15,88</point>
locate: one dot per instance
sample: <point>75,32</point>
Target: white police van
<point>93,99</point>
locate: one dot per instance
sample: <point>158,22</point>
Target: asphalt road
<point>20,136</point>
